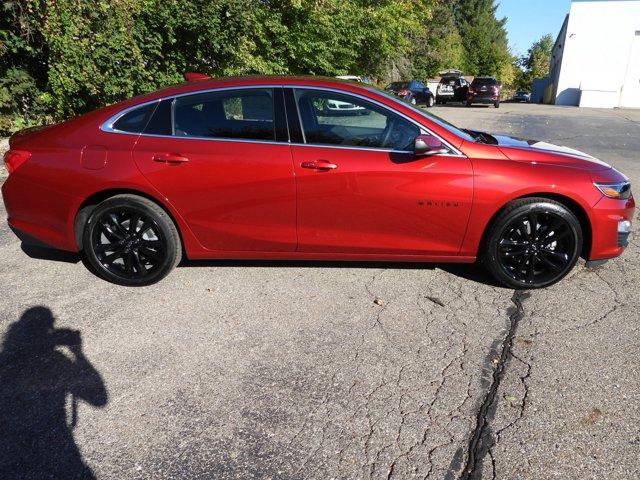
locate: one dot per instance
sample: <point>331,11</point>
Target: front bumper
<point>611,226</point>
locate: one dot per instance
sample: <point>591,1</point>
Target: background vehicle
<point>414,92</point>
<point>484,90</point>
<point>521,96</point>
<point>452,88</point>
<point>251,168</point>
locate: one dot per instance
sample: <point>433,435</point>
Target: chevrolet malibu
<point>255,168</point>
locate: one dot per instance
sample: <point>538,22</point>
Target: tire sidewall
<point>167,229</point>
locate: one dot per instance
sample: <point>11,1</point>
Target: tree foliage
<point>536,63</point>
<point>64,57</point>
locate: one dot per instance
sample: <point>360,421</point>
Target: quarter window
<point>242,114</point>
<point>135,120</point>
<point>339,119</point>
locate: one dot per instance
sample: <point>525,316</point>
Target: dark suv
<point>452,88</point>
<point>413,92</point>
<point>484,90</point>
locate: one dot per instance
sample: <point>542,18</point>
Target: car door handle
<point>169,158</point>
<point>319,165</point>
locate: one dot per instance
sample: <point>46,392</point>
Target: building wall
<point>598,56</point>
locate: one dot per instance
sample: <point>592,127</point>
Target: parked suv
<point>414,92</point>
<point>452,88</point>
<point>484,90</point>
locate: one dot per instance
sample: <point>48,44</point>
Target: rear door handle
<point>169,158</point>
<point>319,165</point>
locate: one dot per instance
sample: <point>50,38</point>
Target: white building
<point>596,58</point>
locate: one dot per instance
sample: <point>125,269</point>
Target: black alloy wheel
<point>131,241</point>
<point>534,243</point>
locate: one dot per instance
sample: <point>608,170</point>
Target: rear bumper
<point>477,99</point>
<point>610,227</point>
<point>38,214</point>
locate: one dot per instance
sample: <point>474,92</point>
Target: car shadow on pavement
<point>44,253</point>
<point>43,375</point>
<point>468,271</point>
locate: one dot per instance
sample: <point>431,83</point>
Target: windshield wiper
<point>481,137</point>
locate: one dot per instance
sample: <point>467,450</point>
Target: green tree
<point>536,63</point>
<point>484,37</point>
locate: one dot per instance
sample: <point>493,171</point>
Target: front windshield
<point>430,116</point>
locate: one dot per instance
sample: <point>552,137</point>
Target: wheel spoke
<point>111,232</point>
<point>117,226</point>
<point>111,257</point>
<point>558,235</point>
<point>128,262</point>
<point>141,270</point>
<point>532,267</point>
<point>533,224</point>
<point>146,225</point>
<point>150,254</point>
<point>544,259</point>
<point>512,247</point>
<point>562,257</point>
<point>133,223</point>
<point>106,247</point>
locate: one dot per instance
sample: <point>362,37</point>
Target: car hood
<point>520,149</point>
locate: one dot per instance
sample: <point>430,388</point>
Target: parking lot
<point>311,370</point>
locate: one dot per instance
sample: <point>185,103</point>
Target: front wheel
<point>430,101</point>
<point>497,104</point>
<point>533,243</point>
<point>130,240</point>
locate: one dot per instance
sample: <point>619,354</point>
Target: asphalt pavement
<point>311,370</point>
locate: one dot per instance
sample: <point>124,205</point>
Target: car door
<point>361,189</point>
<point>223,160</point>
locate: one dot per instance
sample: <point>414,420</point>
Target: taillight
<point>14,158</point>
<point>471,90</point>
<point>403,92</point>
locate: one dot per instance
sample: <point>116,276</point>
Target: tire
<point>468,103</point>
<point>521,256</point>
<point>430,101</point>
<point>497,104</point>
<point>131,257</point>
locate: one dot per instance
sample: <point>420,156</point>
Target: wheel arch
<point>569,203</point>
<point>92,201</point>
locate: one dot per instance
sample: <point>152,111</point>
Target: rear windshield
<point>448,80</point>
<point>397,85</point>
<point>485,81</point>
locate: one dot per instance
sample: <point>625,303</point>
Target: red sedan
<point>255,168</point>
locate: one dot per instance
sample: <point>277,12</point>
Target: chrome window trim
<point>107,126</point>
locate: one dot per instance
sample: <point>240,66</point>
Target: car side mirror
<point>425,145</point>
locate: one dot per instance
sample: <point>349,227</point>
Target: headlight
<point>619,190</point>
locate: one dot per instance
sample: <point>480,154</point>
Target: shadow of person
<point>43,375</point>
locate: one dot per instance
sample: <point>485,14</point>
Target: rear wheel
<point>430,101</point>
<point>497,104</point>
<point>533,243</point>
<point>468,104</point>
<point>130,240</point>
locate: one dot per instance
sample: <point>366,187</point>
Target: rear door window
<point>235,114</point>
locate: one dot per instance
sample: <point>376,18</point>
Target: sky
<point>528,20</point>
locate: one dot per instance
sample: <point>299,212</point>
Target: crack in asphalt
<point>480,442</point>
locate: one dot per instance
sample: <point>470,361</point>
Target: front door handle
<point>319,165</point>
<point>169,158</point>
